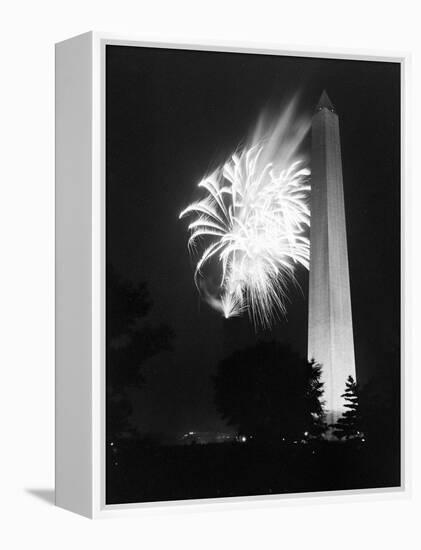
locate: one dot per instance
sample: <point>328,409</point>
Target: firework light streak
<point>253,222</point>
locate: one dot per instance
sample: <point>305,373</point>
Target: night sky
<point>171,116</point>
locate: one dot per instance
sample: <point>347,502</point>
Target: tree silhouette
<point>130,341</point>
<point>348,426</point>
<point>270,392</point>
<point>315,402</point>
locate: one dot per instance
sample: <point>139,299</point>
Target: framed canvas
<point>229,238</point>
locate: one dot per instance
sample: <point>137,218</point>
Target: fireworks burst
<point>252,221</point>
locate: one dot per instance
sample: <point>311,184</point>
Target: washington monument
<point>330,335</point>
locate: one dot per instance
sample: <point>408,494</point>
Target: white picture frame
<point>80,274</point>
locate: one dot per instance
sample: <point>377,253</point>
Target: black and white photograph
<point>253,274</point>
<point>210,261</point>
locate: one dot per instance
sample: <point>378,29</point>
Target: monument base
<point>331,419</point>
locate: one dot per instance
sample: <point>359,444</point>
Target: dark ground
<point>138,472</point>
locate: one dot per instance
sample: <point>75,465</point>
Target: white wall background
<point>28,32</point>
